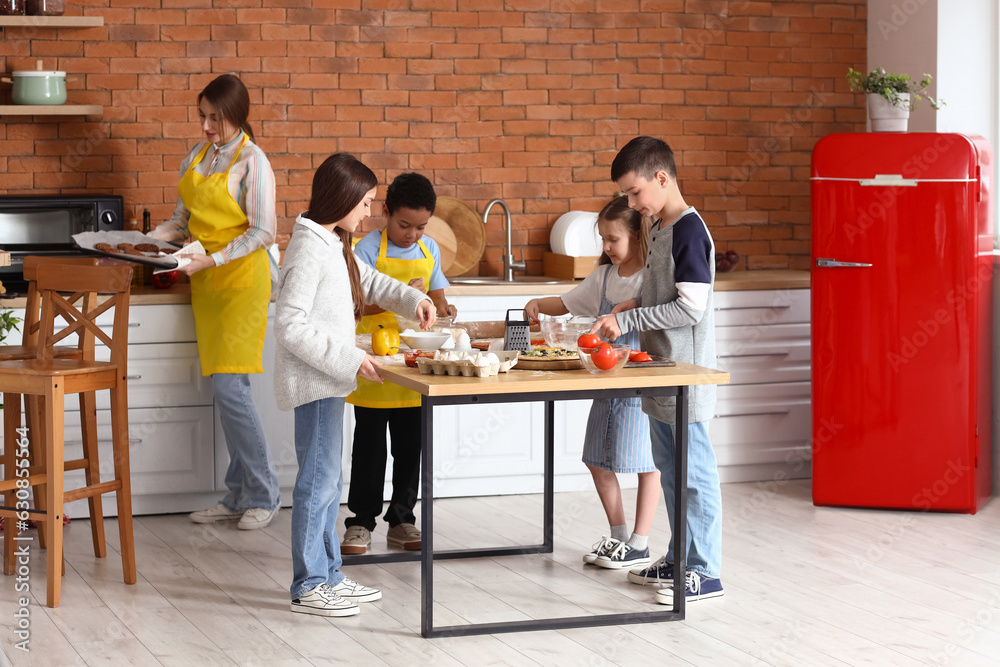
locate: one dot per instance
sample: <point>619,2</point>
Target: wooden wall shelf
<point>51,109</point>
<point>51,21</point>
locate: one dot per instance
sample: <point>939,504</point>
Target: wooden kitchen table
<point>547,386</point>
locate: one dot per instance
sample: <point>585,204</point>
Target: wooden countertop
<point>724,282</point>
<point>534,381</point>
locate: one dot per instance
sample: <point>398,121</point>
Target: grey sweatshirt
<point>314,322</point>
<point>676,316</point>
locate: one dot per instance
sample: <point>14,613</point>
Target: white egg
<point>494,359</point>
<point>409,331</point>
<point>482,362</point>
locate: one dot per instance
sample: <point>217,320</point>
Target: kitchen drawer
<point>156,324</point>
<point>761,423</point>
<point>163,374</point>
<point>170,451</point>
<point>773,353</point>
<point>758,308</point>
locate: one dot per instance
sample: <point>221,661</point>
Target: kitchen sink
<point>497,280</point>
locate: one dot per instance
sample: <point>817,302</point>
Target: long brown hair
<point>634,223</point>
<point>231,101</point>
<point>339,184</point>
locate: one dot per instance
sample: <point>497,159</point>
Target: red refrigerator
<point>902,265</point>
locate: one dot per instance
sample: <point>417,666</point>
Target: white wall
<point>902,38</point>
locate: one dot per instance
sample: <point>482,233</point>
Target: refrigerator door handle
<point>827,261</point>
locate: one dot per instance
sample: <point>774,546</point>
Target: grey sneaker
<point>602,548</point>
<point>404,536</point>
<point>623,556</point>
<point>323,601</point>
<point>357,539</point>
<point>256,517</point>
<point>219,512</point>
<point>355,592</point>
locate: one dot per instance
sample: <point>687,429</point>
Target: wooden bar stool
<point>50,379</point>
<point>88,406</point>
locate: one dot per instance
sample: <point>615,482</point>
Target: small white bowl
<point>425,340</point>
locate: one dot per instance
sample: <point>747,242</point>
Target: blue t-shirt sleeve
<point>692,250</point>
<point>366,250</point>
<point>438,281</point>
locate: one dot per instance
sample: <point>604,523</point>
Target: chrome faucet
<point>509,265</point>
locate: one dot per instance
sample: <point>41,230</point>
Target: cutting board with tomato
<point>654,361</point>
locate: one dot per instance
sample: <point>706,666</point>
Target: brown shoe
<point>404,536</point>
<point>357,539</point>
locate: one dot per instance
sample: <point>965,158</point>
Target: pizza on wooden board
<point>548,358</point>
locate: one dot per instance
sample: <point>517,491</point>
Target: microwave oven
<point>45,225</point>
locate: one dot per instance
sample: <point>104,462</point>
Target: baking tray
<point>87,240</point>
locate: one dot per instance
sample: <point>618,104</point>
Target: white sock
<point>619,533</point>
<point>638,542</point>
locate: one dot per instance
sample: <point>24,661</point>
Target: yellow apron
<point>229,301</point>
<point>372,394</point>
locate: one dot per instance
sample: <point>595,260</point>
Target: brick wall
<point>526,100</point>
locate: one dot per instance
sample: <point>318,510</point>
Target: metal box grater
<point>515,335</point>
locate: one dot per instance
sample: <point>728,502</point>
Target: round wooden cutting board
<point>441,232</point>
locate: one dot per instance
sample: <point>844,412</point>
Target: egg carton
<point>466,367</point>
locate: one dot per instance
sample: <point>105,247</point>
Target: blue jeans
<point>319,446</point>
<point>704,499</point>
<point>250,478</point>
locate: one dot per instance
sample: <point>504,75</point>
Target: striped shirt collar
<point>231,146</point>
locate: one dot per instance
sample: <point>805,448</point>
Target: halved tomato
<point>641,356</point>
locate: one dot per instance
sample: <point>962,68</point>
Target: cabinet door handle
<point>67,443</point>
<point>754,354</point>
<point>133,377</point>
<point>755,414</point>
<point>777,307</point>
<point>131,325</point>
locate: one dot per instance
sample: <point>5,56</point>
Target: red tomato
<point>642,356</point>
<point>634,353</point>
<point>604,357</point>
<point>164,280</point>
<point>588,340</point>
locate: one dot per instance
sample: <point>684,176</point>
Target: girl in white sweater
<point>321,293</point>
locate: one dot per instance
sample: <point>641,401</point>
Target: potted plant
<point>891,97</point>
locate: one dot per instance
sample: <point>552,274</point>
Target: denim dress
<point>617,437</point>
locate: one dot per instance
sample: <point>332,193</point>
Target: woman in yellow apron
<point>406,255</point>
<point>227,203</point>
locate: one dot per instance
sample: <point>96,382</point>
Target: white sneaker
<point>323,601</point>
<point>217,513</point>
<point>352,590</point>
<point>256,517</point>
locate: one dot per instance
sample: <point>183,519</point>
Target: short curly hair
<point>410,190</point>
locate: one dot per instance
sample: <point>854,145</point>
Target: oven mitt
<point>194,248</point>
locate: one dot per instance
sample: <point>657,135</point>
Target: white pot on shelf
<point>887,117</point>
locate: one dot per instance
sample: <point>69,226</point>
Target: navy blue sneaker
<point>696,587</point>
<point>660,573</point>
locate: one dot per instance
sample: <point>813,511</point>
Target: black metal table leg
<point>427,516</point>
<point>680,500</point>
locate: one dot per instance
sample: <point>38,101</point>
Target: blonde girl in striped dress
<point>617,437</point>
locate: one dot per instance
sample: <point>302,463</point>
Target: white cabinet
<point>762,424</point>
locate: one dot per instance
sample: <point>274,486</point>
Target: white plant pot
<point>886,117</point>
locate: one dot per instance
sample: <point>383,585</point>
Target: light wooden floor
<point>804,586</point>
